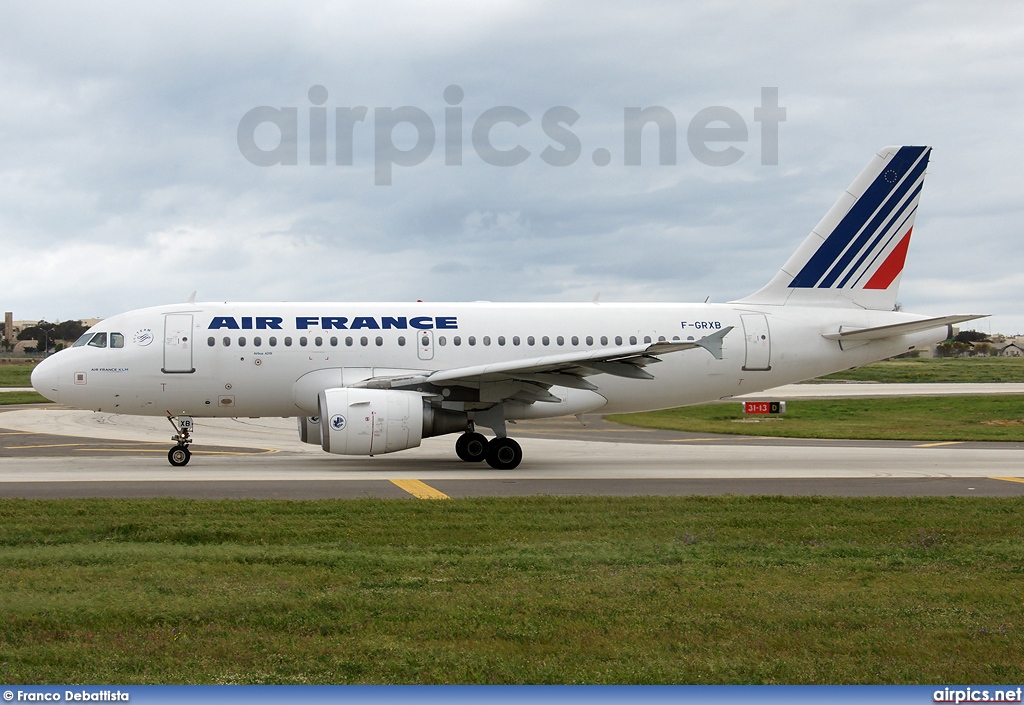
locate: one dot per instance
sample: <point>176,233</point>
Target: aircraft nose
<point>46,378</point>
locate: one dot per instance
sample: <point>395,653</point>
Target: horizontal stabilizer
<point>897,329</point>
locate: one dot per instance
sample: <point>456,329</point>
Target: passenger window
<point>98,341</point>
<point>675,337</point>
<point>661,339</point>
<point>241,342</point>
<point>604,340</point>
<point>647,339</point>
<point>530,340</point>
<point>378,341</point>
<point>515,340</point>
<point>227,342</point>
<point>424,341</point>
<point>618,340</point>
<point>501,340</point>
<point>334,341</point>
<point>545,340</point>
<point>303,340</point>
<point>471,340</point>
<point>319,342</point>
<point>632,340</point>
<point>364,341</point>
<point>487,340</point>
<point>560,340</point>
<point>273,342</point>
<point>440,341</point>
<point>116,340</point>
<point>457,340</point>
<point>211,341</point>
<point>590,340</point>
<point>348,341</point>
<point>401,341</point>
<point>287,341</point>
<point>257,341</point>
<point>575,340</point>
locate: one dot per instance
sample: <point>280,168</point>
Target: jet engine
<point>309,430</point>
<point>374,421</point>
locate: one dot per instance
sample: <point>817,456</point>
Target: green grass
<point>977,418</point>
<point>8,398</point>
<point>16,374</point>
<point>537,590</point>
<point>968,369</point>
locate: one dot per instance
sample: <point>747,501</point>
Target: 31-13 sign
<point>764,407</point>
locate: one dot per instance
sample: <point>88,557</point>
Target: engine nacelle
<point>309,430</point>
<point>369,421</point>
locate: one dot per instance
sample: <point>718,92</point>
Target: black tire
<point>471,447</point>
<point>504,454</point>
<point>179,456</point>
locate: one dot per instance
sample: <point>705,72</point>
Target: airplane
<point>374,378</point>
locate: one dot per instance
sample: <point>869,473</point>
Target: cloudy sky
<point>122,183</point>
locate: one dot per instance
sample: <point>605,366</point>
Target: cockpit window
<point>82,341</point>
<point>116,340</point>
<point>98,341</point>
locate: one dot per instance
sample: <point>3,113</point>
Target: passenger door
<point>178,343</point>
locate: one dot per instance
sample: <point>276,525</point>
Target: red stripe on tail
<point>892,266</point>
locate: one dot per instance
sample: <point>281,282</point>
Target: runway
<point>49,451</point>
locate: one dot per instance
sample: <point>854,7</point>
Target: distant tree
<point>984,350</point>
<point>971,336</point>
<point>68,331</point>
<point>952,348</point>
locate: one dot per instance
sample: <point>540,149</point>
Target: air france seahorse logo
<point>338,422</point>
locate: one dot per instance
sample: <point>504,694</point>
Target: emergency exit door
<point>178,343</point>
<point>425,342</point>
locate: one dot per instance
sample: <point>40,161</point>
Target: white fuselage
<point>258,359</point>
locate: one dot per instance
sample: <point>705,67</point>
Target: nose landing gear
<point>179,455</point>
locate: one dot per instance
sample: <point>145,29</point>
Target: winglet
<point>713,343</point>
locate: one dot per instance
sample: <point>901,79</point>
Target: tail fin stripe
<point>868,203</point>
<point>892,265</point>
<point>895,225</point>
<point>872,224</point>
<point>884,249</point>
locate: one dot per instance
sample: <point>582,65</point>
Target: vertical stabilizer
<point>854,257</point>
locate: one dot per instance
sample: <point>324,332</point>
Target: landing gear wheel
<point>471,447</point>
<point>179,456</point>
<point>504,454</point>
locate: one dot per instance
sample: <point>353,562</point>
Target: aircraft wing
<point>564,369</point>
<point>896,329</point>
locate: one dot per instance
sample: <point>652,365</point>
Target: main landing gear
<point>179,455</point>
<point>500,453</point>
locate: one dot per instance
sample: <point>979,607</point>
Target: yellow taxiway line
<point>419,489</point>
<point>1008,479</point>
<point>936,445</point>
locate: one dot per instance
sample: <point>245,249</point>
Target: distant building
<point>1011,350</point>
